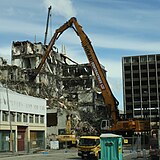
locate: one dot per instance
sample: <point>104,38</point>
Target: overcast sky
<point>116,28</point>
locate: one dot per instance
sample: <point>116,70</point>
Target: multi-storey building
<point>141,83</point>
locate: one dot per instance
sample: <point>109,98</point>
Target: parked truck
<point>89,147</point>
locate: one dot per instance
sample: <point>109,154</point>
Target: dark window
<point>51,119</point>
<point>19,117</point>
<point>143,67</point>
<point>135,67</point>
<point>135,59</point>
<point>31,118</point>
<point>127,68</point>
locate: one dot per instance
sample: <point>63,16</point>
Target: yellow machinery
<point>117,125</point>
<point>89,147</point>
<point>68,139</point>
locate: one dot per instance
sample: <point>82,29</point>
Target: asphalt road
<point>65,154</point>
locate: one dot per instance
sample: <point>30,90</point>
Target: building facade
<point>141,86</point>
<point>22,121</point>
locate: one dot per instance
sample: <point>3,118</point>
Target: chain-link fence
<point>138,145</point>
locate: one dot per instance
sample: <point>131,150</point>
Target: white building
<point>22,121</point>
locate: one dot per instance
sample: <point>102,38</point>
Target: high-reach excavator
<point>117,125</point>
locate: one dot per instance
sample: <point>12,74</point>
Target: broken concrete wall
<point>80,82</point>
<point>52,129</point>
<point>61,115</point>
<point>86,97</point>
<point>26,54</point>
<point>3,62</point>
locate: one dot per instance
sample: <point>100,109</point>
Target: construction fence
<point>138,145</point>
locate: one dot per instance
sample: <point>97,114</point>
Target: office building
<point>141,86</point>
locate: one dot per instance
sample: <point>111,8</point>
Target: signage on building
<point>21,103</point>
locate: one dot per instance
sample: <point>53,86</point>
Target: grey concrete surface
<point>65,154</point>
<point>43,155</point>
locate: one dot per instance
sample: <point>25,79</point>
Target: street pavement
<point>65,154</point>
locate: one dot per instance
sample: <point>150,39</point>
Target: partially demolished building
<point>69,88</point>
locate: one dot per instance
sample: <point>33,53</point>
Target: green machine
<point>111,147</point>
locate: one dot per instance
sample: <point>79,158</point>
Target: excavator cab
<point>105,125</point>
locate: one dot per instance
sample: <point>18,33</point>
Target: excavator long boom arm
<point>110,100</point>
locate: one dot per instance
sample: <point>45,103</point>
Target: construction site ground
<point>70,154</point>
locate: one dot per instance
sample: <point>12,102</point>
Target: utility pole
<point>159,134</point>
<point>10,123</point>
<point>45,38</point>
